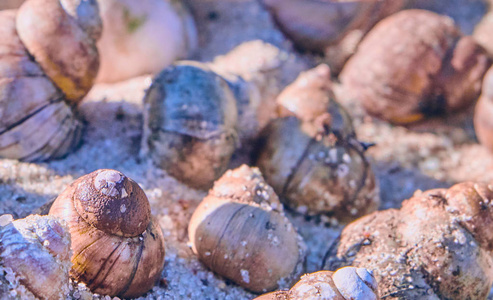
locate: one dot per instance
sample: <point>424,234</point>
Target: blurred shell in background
<point>415,64</point>
<point>142,37</point>
<point>10,4</point>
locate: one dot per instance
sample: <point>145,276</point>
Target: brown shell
<point>436,246</point>
<point>483,123</point>
<point>414,64</point>
<point>35,256</point>
<point>37,85</point>
<point>311,157</point>
<point>190,119</point>
<point>239,231</point>
<point>315,25</point>
<point>347,283</point>
<point>118,247</point>
<point>333,27</point>
<point>310,99</point>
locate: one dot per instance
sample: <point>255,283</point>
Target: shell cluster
<point>197,115</point>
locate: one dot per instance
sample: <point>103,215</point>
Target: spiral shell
<point>35,257</point>
<point>118,249</point>
<point>312,159</point>
<point>190,118</point>
<point>415,64</point>
<point>240,232</point>
<point>39,84</point>
<point>348,283</point>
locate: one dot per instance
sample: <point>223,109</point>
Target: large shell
<point>415,64</point>
<point>143,37</point>
<point>38,83</point>
<point>312,159</point>
<point>348,283</point>
<point>437,246</point>
<point>34,258</point>
<point>240,232</point>
<point>190,117</point>
<point>118,249</point>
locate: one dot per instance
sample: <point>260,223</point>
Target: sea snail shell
<point>240,232</point>
<point>39,84</point>
<point>311,156</point>
<point>118,249</point>
<point>348,283</point>
<point>35,257</point>
<point>190,118</point>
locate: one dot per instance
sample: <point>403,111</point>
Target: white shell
<point>35,258</point>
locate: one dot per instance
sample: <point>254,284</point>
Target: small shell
<point>118,249</point>
<point>35,257</point>
<point>240,232</point>
<point>348,283</point>
<point>190,118</point>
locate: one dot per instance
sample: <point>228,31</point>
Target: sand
<point>438,153</point>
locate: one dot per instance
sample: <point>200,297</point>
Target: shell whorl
<point>111,202</point>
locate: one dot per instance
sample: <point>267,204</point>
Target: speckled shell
<point>312,159</point>
<point>39,84</point>
<point>34,258</point>
<point>190,118</point>
<point>437,246</point>
<point>239,231</point>
<point>348,283</point>
<point>415,64</point>
<point>118,249</point>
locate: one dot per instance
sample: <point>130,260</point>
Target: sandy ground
<point>436,154</point>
